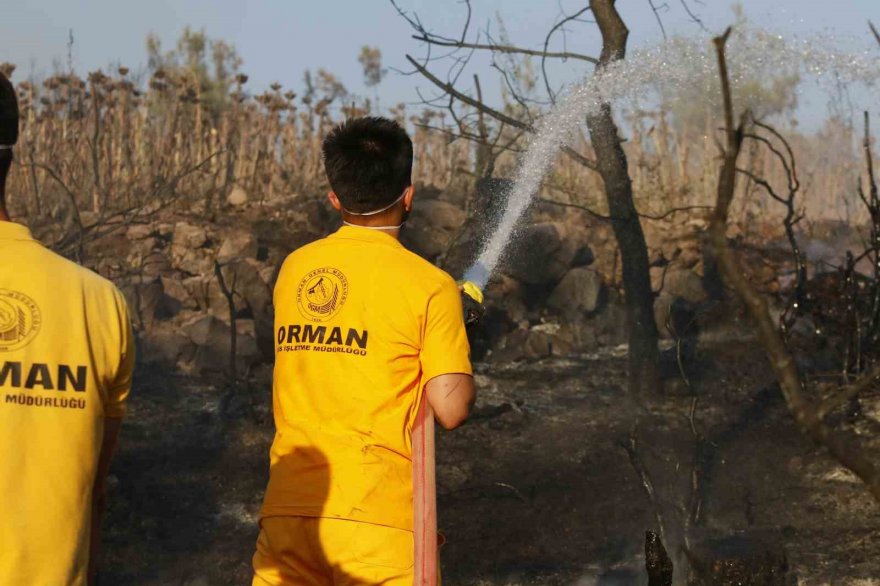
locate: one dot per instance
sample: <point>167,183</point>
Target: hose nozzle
<point>472,302</point>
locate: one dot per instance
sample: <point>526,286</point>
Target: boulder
<point>237,197</point>
<point>607,328</point>
<point>679,282</point>
<point>176,291</point>
<point>676,317</point>
<point>166,346</point>
<point>188,236</point>
<point>212,338</point>
<point>192,261</point>
<point>147,301</point>
<point>252,298</point>
<point>542,253</point>
<point>506,294</point>
<point>251,295</point>
<point>197,287</point>
<point>441,214</point>
<point>431,228</point>
<point>690,257</point>
<point>540,341</point>
<point>155,263</point>
<point>534,256</point>
<point>139,231</point>
<point>238,244</point>
<point>165,230</point>
<point>580,291</point>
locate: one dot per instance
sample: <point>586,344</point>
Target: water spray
<point>679,63</point>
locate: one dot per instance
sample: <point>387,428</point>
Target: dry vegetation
<point>113,147</point>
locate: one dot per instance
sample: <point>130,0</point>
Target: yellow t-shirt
<point>361,324</point>
<point>66,358</point>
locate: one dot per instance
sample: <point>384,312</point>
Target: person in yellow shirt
<point>66,359</point>
<point>364,332</point>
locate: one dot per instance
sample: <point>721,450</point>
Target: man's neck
<point>384,223</point>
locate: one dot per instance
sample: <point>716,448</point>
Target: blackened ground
<point>536,489</point>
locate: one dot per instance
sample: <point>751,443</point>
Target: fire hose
<point>427,565</point>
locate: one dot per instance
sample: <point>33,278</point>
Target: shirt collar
<point>363,234</point>
<point>13,231</point>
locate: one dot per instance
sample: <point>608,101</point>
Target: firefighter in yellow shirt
<point>364,329</point>
<point>66,359</point>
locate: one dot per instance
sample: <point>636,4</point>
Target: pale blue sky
<point>279,39</point>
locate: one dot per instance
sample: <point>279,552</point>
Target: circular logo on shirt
<point>19,320</point>
<point>322,293</point>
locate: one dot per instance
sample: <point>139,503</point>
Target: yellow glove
<point>471,302</point>
<point>471,290</point>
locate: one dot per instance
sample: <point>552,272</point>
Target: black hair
<point>8,126</point>
<point>368,162</point>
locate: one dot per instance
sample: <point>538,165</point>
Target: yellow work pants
<point>295,551</point>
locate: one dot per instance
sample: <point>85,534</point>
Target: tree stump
<point>739,561</point>
<point>657,561</point>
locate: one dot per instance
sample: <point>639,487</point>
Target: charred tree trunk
<point>612,166</point>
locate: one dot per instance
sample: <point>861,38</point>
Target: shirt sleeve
<point>445,348</point>
<point>120,384</point>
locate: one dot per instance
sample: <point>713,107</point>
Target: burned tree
<point>612,166</point>
<point>610,161</point>
<point>810,413</point>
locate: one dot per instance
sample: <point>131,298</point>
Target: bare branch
<point>673,211</point>
<point>575,206</point>
<point>497,115</point>
<point>508,49</point>
<point>763,183</point>
<point>604,218</point>
<point>844,394</point>
<point>874,31</point>
<point>693,15</point>
<point>656,10</point>
<point>558,26</point>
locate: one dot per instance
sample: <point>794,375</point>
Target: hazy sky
<point>279,39</point>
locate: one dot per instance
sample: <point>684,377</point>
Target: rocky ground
<point>538,487</point>
<point>535,489</point>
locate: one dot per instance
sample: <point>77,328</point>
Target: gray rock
<point>432,227</point>
<point>684,283</point>
<point>580,291</point>
<point>155,263</point>
<point>176,290</point>
<point>146,301</point>
<point>540,341</point>
<point>188,236</point>
<point>238,244</point>
<point>212,338</point>
<point>166,346</point>
<point>192,260</point>
<point>440,214</point>
<point>542,253</point>
<point>243,279</point>
<point>139,231</point>
<point>237,197</point>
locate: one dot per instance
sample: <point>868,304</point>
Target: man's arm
<point>112,425</point>
<point>445,357</point>
<point>451,396</point>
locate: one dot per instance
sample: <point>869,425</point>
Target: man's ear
<point>334,201</point>
<point>408,196</point>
